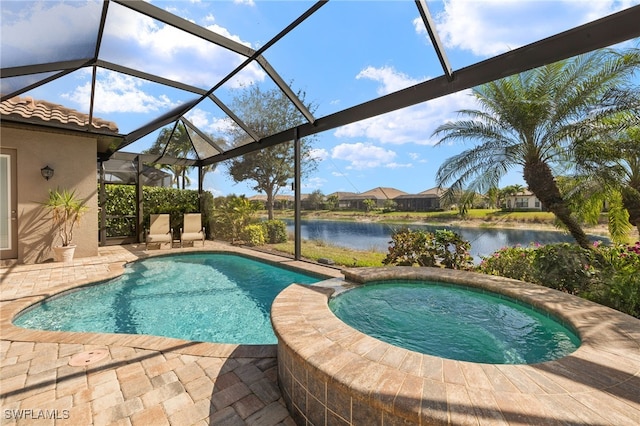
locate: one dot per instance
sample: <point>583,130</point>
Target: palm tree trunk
<point>538,176</point>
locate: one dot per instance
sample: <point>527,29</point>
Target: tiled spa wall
<point>314,398</point>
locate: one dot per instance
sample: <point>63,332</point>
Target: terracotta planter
<point>64,254</point>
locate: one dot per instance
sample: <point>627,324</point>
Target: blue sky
<point>346,53</point>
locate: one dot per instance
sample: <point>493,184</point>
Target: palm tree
<point>531,120</point>
<point>174,142</point>
<point>608,170</point>
<point>493,197</point>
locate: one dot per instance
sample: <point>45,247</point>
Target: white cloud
<point>491,27</point>
<point>246,2</point>
<point>390,79</point>
<point>414,124</point>
<point>119,93</point>
<point>319,154</point>
<point>398,166</point>
<point>44,31</point>
<point>362,156</point>
<point>218,126</point>
<point>313,183</point>
<point>171,53</point>
<point>215,192</point>
<point>416,157</point>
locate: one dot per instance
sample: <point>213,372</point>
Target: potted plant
<point>66,210</point>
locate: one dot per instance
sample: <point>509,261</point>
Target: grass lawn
<point>314,250</point>
<point>486,216</point>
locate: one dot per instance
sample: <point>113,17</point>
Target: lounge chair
<point>193,229</point>
<point>160,230</point>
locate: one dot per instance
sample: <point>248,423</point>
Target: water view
<point>376,236</point>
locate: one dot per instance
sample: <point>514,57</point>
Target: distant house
<point>280,202</point>
<point>524,200</point>
<point>380,195</point>
<point>428,200</point>
<point>343,198</point>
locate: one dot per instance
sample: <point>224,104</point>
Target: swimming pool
<point>208,297</point>
<point>454,322</point>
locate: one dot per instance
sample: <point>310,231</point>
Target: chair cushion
<point>190,236</point>
<point>159,238</point>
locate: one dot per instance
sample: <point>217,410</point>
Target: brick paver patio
<point>143,380</point>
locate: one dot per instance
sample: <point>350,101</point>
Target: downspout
<point>102,197</point>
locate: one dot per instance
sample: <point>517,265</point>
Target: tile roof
<point>30,110</point>
<point>381,193</point>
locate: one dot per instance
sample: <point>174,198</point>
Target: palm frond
<point>619,226</point>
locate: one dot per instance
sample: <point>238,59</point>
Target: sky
<point>347,53</point>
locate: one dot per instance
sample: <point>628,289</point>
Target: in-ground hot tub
<point>331,373</point>
<point>454,322</point>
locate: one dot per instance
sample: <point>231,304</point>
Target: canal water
<point>376,236</point>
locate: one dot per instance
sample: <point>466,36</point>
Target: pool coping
<point>113,268</point>
<point>319,356</point>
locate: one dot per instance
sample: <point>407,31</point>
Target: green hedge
<point>121,202</point>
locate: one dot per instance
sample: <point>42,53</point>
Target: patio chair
<point>193,229</point>
<point>159,231</point>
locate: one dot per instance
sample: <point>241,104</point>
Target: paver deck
<point>146,380</point>
<point>143,380</point>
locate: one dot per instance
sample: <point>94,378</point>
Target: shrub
<point>619,284</point>
<point>609,275</point>
<point>174,201</point>
<point>275,231</point>
<point>440,249</point>
<point>565,267</point>
<point>510,262</point>
<point>230,217</point>
<point>120,207</point>
<point>253,235</point>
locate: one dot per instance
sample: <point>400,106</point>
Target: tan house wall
<point>73,159</point>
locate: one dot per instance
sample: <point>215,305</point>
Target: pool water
<point>454,322</point>
<point>209,297</point>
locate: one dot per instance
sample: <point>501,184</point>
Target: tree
<point>176,142</point>
<point>510,191</point>
<point>315,199</point>
<point>332,201</point>
<point>630,163</point>
<point>608,171</point>
<point>532,120</point>
<point>369,204</point>
<point>271,168</point>
<point>493,197</point>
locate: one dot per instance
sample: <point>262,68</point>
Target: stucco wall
<point>73,158</point>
